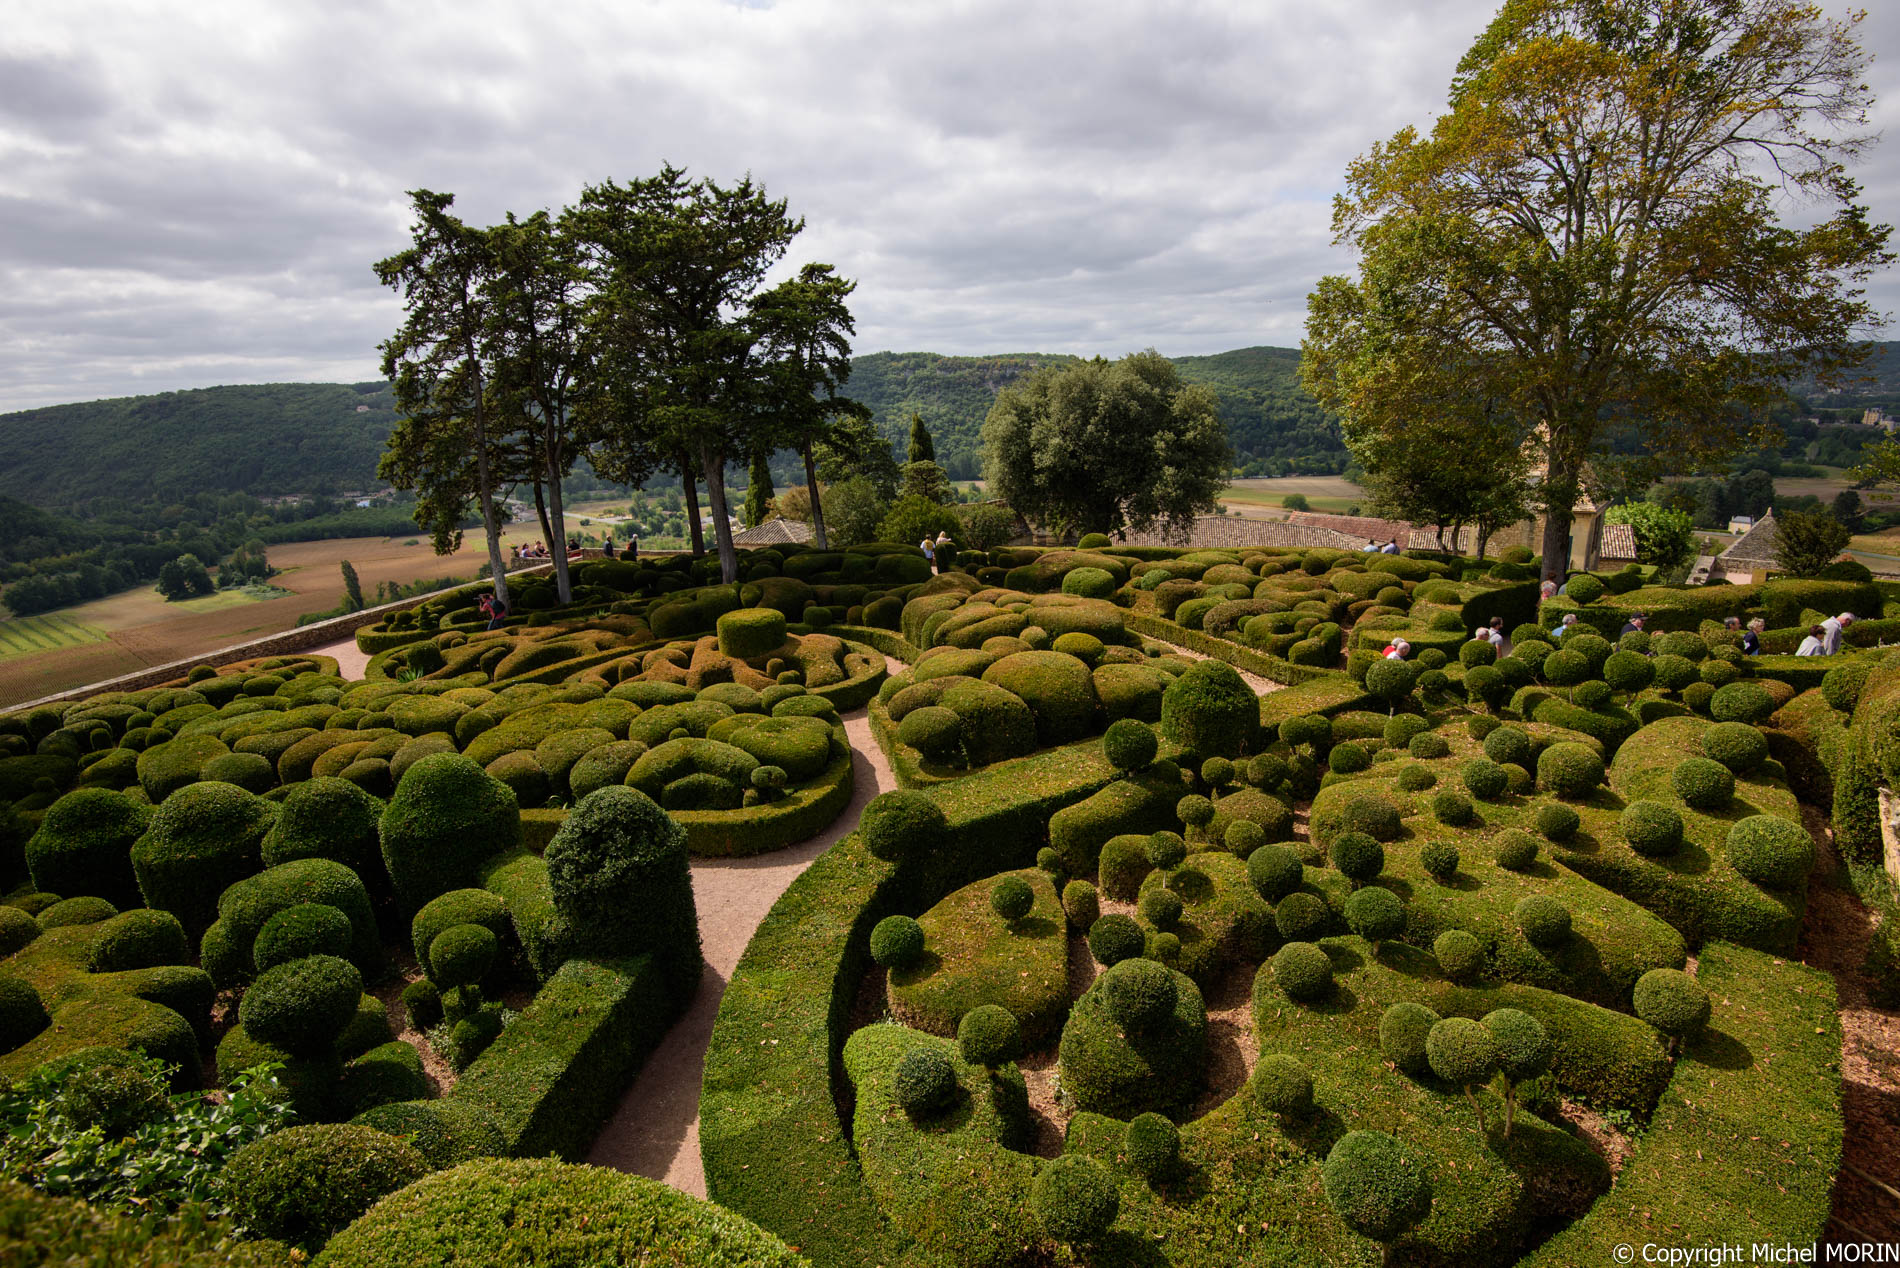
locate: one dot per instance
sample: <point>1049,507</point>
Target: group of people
<point>1825,639</point>
<point>536,552</point>
<point>932,546</point>
<point>1372,547</point>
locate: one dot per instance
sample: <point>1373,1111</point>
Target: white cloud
<point>194,194</point>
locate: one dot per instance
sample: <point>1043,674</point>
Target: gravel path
<point>351,661</point>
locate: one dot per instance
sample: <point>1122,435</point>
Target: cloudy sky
<point>193,194</point>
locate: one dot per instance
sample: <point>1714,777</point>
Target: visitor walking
<point>1751,637</point>
<point>494,609</point>
<point>633,546</point>
<point>1634,625</point>
<point>1815,644</point>
<point>1390,548</point>
<point>1570,619</point>
<point>930,552</point>
<point>1831,632</point>
<point>1397,649</point>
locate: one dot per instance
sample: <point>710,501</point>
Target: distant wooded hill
<point>325,438</point>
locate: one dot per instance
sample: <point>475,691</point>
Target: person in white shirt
<point>1570,619</point>
<point>930,554</point>
<point>1814,644</point>
<point>1397,649</point>
<point>1831,632</point>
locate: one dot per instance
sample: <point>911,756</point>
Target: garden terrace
<point>1224,924</point>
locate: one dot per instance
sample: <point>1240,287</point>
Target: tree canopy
<point>1588,238</point>
<point>1107,447</point>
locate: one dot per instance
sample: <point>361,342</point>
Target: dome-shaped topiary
<point>303,1184</point>
<point>1674,671</point>
<point>1275,872</point>
<point>1703,783</point>
<point>1515,850</point>
<point>896,941</point>
<point>1452,808</point>
<point>1047,860</point>
<point>1303,971</point>
<point>1282,1085</point>
<point>1266,771</point>
<point>1484,779</point>
<point>1402,728</point>
<point>1161,907</point>
<point>1737,745</point>
<point>1523,1045</point>
<point>1210,709</point>
<point>1114,938</point>
<point>446,817</point>
<point>1771,851</point>
<point>989,1035</point>
<point>1130,745</point>
<point>300,1006</point>
<point>1479,726</point>
<point>1138,993</point>
<point>1081,904</point>
<point>1741,702</point>
<point>1375,914</point>
<point>1301,916</point>
<point>1348,759</point>
<point>1194,810</point>
<point>1544,921</point>
<point>1428,745</point>
<point>1558,823</point>
<point>1374,1186</point>
<point>1628,671</point>
<point>1672,1002</point>
<point>139,939</point>
<point>1459,954</point>
<point>1152,1146</point>
<point>302,930</point>
<point>1166,850</point>
<point>1507,744</point>
<point>1592,693</point>
<point>1217,772</point>
<point>1697,696</point>
<point>1652,828</point>
<point>22,1014</point>
<point>1565,668</point>
<point>1570,770</point>
<point>925,1082</point>
<point>461,955</point>
<point>1440,858</point>
<point>934,731</point>
<point>1415,778</point>
<point>1717,672</point>
<point>1477,653</point>
<point>1243,837</point>
<point>1403,1029</point>
<point>117,1099</point>
<point>1461,1051</point>
<point>1841,685</point>
<point>903,825</point>
<point>1074,1198</point>
<point>1011,898</point>
<point>1372,815</point>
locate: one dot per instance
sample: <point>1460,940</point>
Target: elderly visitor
<point>1831,632</point>
<point>1814,644</point>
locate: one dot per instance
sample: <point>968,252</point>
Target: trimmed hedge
<point>304,1184</point>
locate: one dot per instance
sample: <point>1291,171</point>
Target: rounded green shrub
<point>1508,745</point>
<point>1628,671</point>
<point>1452,808</point>
<point>1194,810</point>
<point>85,910</point>
<point>252,772</point>
<point>1161,907</point>
<point>16,930</point>
<point>457,907</point>
<point>1558,823</point>
<point>896,942</point>
<point>1440,859</point>
<point>328,818</point>
<point>1416,778</point>
<point>934,731</point>
<point>903,824</point>
<point>1737,745</point>
<point>1484,779</point>
<point>1672,1002</point>
<point>1403,1029</point>
<point>117,1099</point>
<point>1461,1051</point>
<point>1166,850</point>
<point>300,1006</point>
<point>1115,938</point>
<point>1375,914</point>
<point>1301,917</point>
<point>1401,729</point>
<point>1243,837</point>
<point>304,1184</point>
<point>1673,671</point>
<point>1275,872</point>
<point>1152,1146</point>
<point>925,1082</point>
<point>1129,745</point>
<point>1841,685</point>
<point>22,1014</point>
<point>1373,816</point>
<point>137,939</point>
<point>1569,770</point>
<point>1374,1186</point>
<point>1348,759</point>
<point>1011,898</point>
<point>84,845</point>
<point>1477,653</point>
<point>989,1035</point>
<point>1741,702</point>
<point>1427,745</point>
<point>1089,583</point>
<point>1074,1199</point>
<point>1282,1085</point>
<point>1479,726</point>
<point>445,1131</point>
<point>445,818</point>
<point>1123,865</point>
<point>1303,971</point>
<point>1210,710</point>
<point>1081,904</point>
<point>205,838</point>
<point>1652,828</point>
<point>461,955</point>
<point>1703,783</point>
<point>305,929</point>
<point>1514,850</point>
<point>1697,696</point>
<point>1459,954</point>
<point>747,633</point>
<point>1771,851</point>
<point>1544,921</point>
<point>1139,994</point>
<point>422,1002</point>
<point>1358,855</point>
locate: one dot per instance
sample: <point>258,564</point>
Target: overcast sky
<point>192,194</point>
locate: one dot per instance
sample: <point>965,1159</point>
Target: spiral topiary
<point>1703,783</point>
<point>1275,872</point>
<point>1459,954</point>
<point>1282,1085</point>
<point>1652,828</point>
<point>925,1082</point>
<point>1544,921</point>
<point>1374,1186</point>
<point>1301,916</point>
<point>1771,851</point>
<point>1440,859</point>
<point>1303,971</point>
<point>1515,850</point>
<point>1114,938</point>
<point>896,941</point>
<point>1558,823</point>
<point>1737,745</point>
<point>989,1035</point>
<point>1011,898</point>
<point>1672,1002</point>
<point>1403,1028</point>
<point>1074,1198</point>
<point>1152,1146</point>
<point>1569,770</point>
<point>1358,856</point>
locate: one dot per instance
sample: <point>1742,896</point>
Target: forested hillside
<point>261,439</point>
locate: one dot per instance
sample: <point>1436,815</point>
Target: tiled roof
<point>775,532</point>
<point>1361,527</point>
<point>1756,549</point>
<point>1619,543</point>
<point>1223,531</point>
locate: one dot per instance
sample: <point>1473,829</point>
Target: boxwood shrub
<point>304,1184</point>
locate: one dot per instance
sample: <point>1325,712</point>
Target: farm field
<point>1261,498</point>
<point>138,628</point>
<point>26,635</point>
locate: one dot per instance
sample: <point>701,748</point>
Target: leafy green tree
<point>925,479</point>
<point>1462,463</point>
<point>758,490</point>
<point>1848,510</point>
<point>854,447</point>
<point>1103,448</point>
<point>986,526</point>
<point>854,508</point>
<point>1296,502</point>
<point>921,450</point>
<point>1805,544</point>
<point>912,518</point>
<point>1665,537</point>
<point>352,589</point>
<point>185,577</point>
<point>1589,236</point>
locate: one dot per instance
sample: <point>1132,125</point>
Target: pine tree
<point>758,494</point>
<point>921,450</point>
<point>352,588</point>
